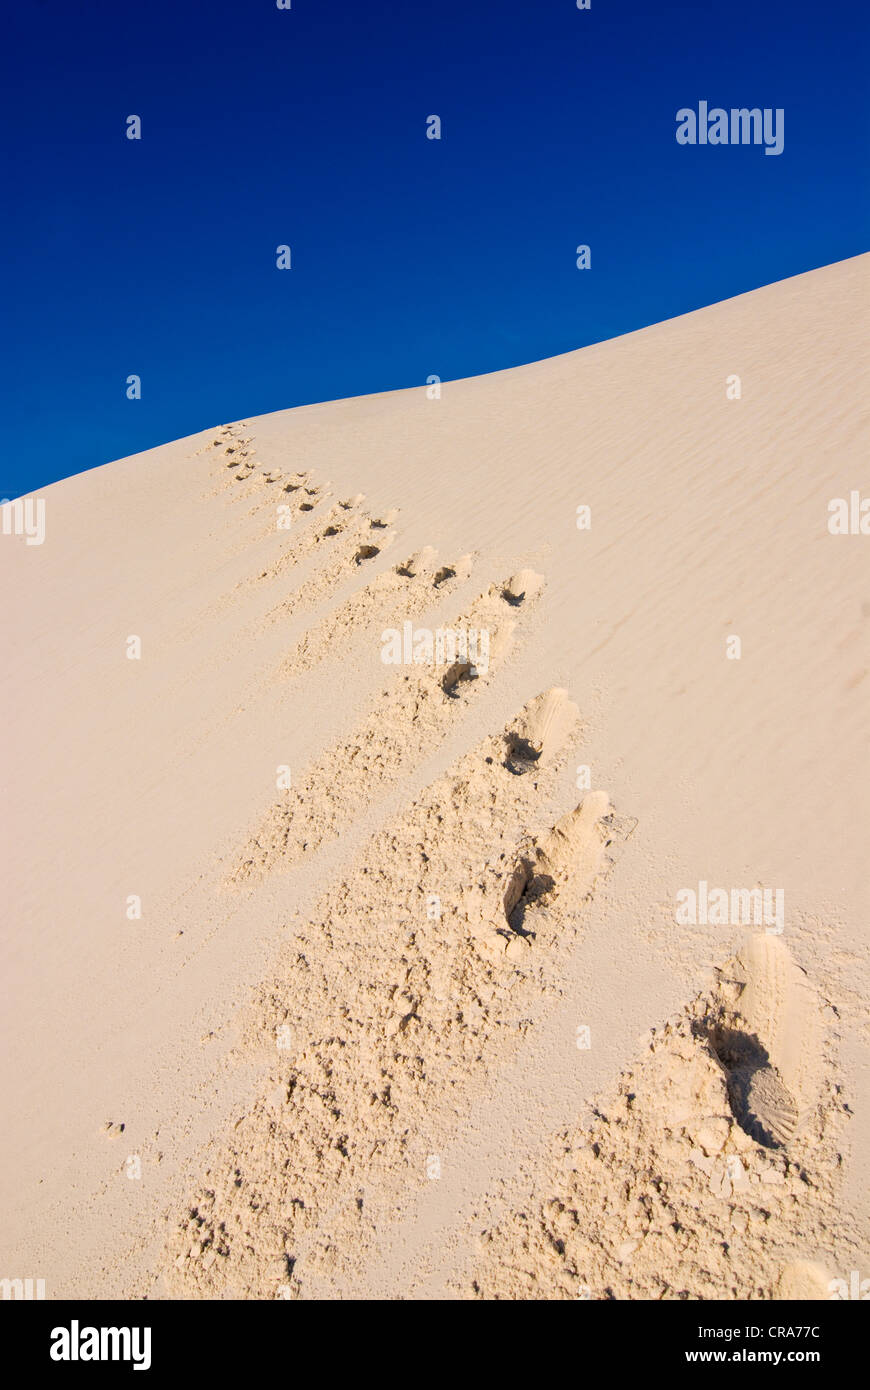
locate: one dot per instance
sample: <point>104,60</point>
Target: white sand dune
<point>424,1022</point>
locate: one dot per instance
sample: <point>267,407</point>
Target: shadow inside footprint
<point>513,599</point>
<point>759,1101</point>
<point>521,755</point>
<point>459,671</point>
<point>524,890</point>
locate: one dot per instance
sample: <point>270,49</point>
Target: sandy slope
<point>342,1039</point>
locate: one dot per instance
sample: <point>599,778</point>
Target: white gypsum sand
<point>407,1010</point>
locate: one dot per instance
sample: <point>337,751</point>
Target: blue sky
<point>410,256</point>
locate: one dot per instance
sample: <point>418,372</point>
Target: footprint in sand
<point>573,853</point>
<point>541,731</point>
<point>767,1037</point>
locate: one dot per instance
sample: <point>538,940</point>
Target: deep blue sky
<point>410,256</point>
